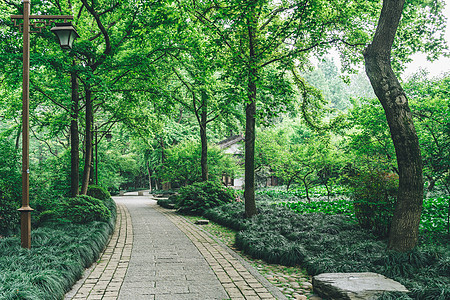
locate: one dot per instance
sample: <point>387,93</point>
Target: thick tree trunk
<point>250,112</point>
<point>74,139</point>
<point>203,137</point>
<point>88,143</point>
<point>405,224</point>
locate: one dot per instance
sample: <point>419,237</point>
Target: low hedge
<point>60,251</point>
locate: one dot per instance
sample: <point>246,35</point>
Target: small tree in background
<point>182,164</point>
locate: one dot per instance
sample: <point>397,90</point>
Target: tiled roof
<point>230,141</point>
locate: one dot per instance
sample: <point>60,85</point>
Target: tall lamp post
<point>66,34</point>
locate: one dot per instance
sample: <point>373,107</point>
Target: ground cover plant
<point>60,251</point>
<point>322,242</point>
<point>297,193</point>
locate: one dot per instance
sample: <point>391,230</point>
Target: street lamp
<point>43,21</point>
<point>66,34</point>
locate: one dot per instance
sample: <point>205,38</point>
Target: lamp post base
<point>25,226</point>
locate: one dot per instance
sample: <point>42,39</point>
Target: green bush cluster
<point>434,219</point>
<point>10,189</point>
<point>200,196</point>
<point>60,251</point>
<point>168,202</point>
<point>84,209</point>
<point>79,209</point>
<point>334,243</point>
<point>374,194</point>
<point>98,192</point>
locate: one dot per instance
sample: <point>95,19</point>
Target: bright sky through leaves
<point>437,67</point>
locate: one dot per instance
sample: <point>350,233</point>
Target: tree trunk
<point>74,139</point>
<point>203,137</point>
<point>405,223</point>
<point>88,143</point>
<point>305,184</point>
<point>149,176</point>
<point>250,112</point>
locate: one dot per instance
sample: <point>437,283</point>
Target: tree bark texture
<point>203,137</point>
<point>74,139</point>
<point>250,114</point>
<point>88,143</point>
<point>405,224</point>
<point>149,172</point>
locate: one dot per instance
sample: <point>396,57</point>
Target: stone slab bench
<point>353,286</point>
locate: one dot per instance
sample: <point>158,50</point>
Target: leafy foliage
<point>198,197</point>
<point>167,202</point>
<point>9,188</point>
<point>335,207</point>
<point>374,196</point>
<point>98,192</point>
<point>182,163</point>
<point>434,218</point>
<point>430,106</point>
<point>80,209</point>
<point>83,209</point>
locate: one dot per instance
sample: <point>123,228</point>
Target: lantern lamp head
<point>66,34</point>
<point>108,137</point>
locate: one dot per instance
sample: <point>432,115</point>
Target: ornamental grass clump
<point>60,251</point>
<point>323,243</point>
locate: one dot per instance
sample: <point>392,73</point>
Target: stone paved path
<point>156,254</point>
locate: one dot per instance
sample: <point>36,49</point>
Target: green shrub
<point>374,195</point>
<point>434,215</point>
<point>169,202</point>
<point>10,188</point>
<point>83,209</point>
<point>98,192</point>
<point>9,216</point>
<point>198,197</point>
